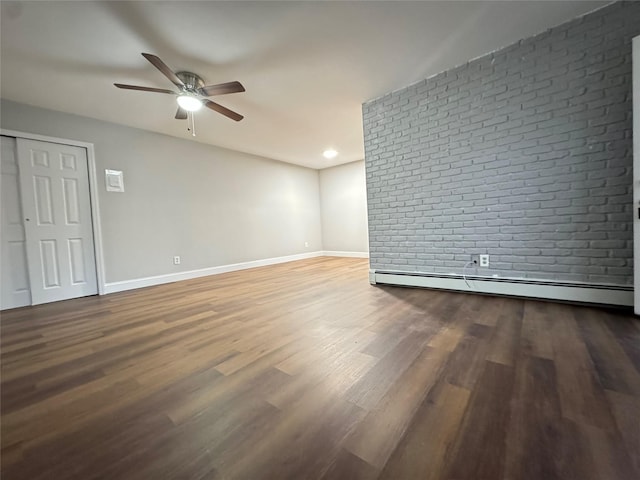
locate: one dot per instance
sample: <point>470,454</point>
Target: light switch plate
<point>114,180</point>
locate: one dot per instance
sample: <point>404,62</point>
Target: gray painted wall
<point>524,154</point>
<point>209,205</point>
<point>343,202</point>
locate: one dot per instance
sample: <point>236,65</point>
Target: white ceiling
<point>307,66</point>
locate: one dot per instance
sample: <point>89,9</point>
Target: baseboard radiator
<point>602,294</point>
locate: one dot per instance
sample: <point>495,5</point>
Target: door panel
<point>71,205</point>
<point>54,184</point>
<point>39,158</point>
<point>44,202</point>
<point>76,261</point>
<point>49,256</point>
<point>18,268</point>
<point>15,279</point>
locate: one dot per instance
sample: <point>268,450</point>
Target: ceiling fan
<point>192,91</point>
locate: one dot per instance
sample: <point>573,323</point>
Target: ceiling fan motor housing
<point>191,81</point>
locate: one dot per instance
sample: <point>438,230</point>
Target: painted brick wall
<point>524,154</point>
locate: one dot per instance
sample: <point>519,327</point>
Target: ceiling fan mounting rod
<point>191,81</point>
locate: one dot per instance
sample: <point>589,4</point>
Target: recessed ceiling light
<point>331,153</point>
<point>189,103</point>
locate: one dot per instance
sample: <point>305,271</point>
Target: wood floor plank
<point>423,451</point>
<point>336,376</point>
<point>582,398</point>
<point>377,435</point>
<point>461,316</point>
<point>303,444</point>
<point>349,466</point>
<point>535,430</point>
<point>490,397</point>
<point>505,342</point>
<point>467,359</point>
<point>325,348</point>
<point>536,331</point>
<point>306,371</point>
<point>82,459</point>
<point>608,460</point>
<point>626,330</point>
<point>613,367</point>
<point>35,424</point>
<point>369,390</point>
<point>626,409</point>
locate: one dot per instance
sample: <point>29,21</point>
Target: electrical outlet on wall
<point>484,260</point>
<point>306,244</point>
<point>176,260</point>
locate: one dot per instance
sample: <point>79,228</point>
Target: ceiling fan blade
<point>223,110</point>
<point>166,71</point>
<point>181,114</point>
<point>144,89</point>
<point>222,89</point>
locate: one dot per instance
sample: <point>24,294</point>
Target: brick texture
<point>524,154</point>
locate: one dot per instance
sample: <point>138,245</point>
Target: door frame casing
<point>635,91</point>
<point>93,194</point>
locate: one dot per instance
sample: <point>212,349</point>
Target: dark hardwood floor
<point>305,371</point>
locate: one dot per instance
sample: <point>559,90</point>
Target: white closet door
<point>54,187</point>
<point>15,278</point>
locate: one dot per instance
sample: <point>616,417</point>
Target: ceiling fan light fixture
<point>189,103</point>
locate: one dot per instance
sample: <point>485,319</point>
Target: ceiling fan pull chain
<point>193,125</point>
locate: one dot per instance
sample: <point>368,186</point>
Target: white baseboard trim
<point>569,291</point>
<point>121,286</point>
<point>334,253</point>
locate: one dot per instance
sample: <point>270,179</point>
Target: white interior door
<point>15,278</point>
<point>636,174</point>
<point>54,187</point>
